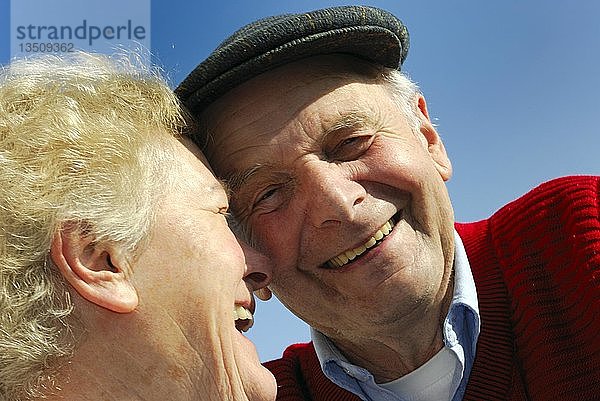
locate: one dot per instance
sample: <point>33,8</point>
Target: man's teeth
<point>351,254</point>
<point>243,318</point>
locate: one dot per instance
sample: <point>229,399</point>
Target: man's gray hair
<point>404,92</point>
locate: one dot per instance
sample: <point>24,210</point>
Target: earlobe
<point>435,146</point>
<point>95,271</point>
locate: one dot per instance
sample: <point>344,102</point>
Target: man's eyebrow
<point>355,119</point>
<point>237,179</point>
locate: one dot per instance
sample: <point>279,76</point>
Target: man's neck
<point>392,357</point>
<point>402,347</point>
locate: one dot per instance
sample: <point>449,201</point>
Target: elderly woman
<point>119,275</point>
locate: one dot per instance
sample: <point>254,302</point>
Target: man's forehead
<point>274,111</point>
<point>274,98</point>
<point>328,71</point>
<point>253,144</point>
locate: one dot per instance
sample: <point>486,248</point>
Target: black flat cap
<point>366,32</point>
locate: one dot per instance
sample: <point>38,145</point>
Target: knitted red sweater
<point>536,265</point>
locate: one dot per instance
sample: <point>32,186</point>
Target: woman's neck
<point>160,364</point>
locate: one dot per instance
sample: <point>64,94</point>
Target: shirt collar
<point>464,285</point>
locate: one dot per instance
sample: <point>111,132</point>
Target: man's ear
<point>95,271</point>
<point>435,146</point>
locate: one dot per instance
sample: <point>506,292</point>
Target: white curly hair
<point>83,139</point>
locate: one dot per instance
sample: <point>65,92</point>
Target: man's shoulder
<point>570,194</point>
<point>561,191</point>
<point>292,356</point>
<point>563,210</point>
<point>569,203</point>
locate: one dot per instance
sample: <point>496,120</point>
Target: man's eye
<point>349,141</point>
<point>351,148</point>
<point>269,193</point>
<point>270,199</point>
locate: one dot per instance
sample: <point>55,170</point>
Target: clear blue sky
<point>514,87</point>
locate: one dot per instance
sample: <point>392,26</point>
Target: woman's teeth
<point>345,257</point>
<point>243,318</point>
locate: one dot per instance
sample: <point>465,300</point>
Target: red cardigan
<point>536,265</point>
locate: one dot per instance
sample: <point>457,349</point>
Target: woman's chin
<point>258,382</point>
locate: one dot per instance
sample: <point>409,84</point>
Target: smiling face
<point>193,274</point>
<point>331,182</point>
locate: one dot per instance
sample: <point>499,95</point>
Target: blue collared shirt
<point>461,330</point>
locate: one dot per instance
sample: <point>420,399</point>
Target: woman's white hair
<point>84,139</point>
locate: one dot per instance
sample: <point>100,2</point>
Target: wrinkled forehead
<point>269,100</point>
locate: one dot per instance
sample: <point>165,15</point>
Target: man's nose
<point>332,195</point>
<point>258,268</point>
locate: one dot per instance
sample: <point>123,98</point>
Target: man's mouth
<point>351,254</point>
<point>243,318</point>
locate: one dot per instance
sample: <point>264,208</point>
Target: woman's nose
<point>258,268</point>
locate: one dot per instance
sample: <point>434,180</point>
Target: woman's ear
<point>95,271</point>
<point>434,143</point>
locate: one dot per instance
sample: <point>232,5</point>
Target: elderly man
<point>339,176</point>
